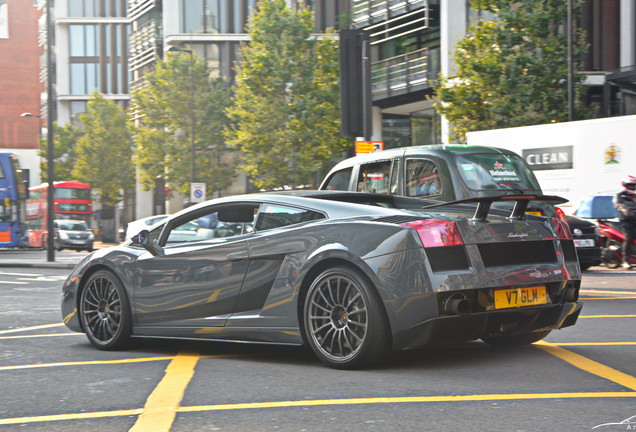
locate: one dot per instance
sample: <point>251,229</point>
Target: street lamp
<point>39,117</point>
<point>175,49</point>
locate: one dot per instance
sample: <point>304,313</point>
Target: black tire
<point>344,320</point>
<point>105,311</point>
<point>516,340</point>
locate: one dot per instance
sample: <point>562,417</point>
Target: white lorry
<point>572,159</point>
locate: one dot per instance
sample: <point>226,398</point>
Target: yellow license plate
<point>518,297</point>
<point>537,213</point>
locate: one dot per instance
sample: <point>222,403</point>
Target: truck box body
<point>572,159</point>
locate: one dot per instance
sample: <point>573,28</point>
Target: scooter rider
<point>625,203</point>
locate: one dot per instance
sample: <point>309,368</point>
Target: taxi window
<point>376,177</point>
<point>339,180</point>
<point>422,178</point>
<point>482,171</point>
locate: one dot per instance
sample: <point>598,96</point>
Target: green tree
<point>104,153</point>
<point>64,143</point>
<point>180,108</point>
<point>511,69</point>
<point>287,98</point>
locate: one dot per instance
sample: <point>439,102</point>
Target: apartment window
<point>83,40</point>
<point>78,109</point>
<point>204,16</point>
<point>85,48</point>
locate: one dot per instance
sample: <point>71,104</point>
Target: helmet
<point>628,179</point>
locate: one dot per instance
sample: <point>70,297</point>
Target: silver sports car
<point>352,275</point>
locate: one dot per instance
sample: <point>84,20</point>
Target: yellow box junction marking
<point>589,365</point>
<point>161,406</point>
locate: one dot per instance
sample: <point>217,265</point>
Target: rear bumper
<point>74,244</point>
<point>470,326</point>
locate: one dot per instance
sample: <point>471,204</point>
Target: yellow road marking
<point>405,399</point>
<point>108,362</point>
<point>79,416</point>
<point>38,327</point>
<point>607,298</point>
<point>607,316</point>
<point>40,335</point>
<point>593,343</point>
<point>84,363</point>
<point>324,402</point>
<point>161,406</point>
<point>589,365</point>
<point>593,291</point>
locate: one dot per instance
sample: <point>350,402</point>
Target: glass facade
<point>97,8</point>
<point>214,16</point>
<point>91,56</point>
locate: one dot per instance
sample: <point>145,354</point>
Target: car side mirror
<point>143,239</point>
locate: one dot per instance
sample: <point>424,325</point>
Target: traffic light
<point>355,85</point>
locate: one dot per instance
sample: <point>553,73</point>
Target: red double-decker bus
<point>72,200</point>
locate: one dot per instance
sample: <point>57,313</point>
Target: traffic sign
<point>197,192</point>
<point>369,146</point>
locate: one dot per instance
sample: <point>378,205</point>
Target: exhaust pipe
<point>457,305</point>
<point>571,294</point>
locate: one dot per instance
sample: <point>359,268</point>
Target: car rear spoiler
<point>518,210</point>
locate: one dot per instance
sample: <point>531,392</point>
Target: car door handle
<point>236,255</point>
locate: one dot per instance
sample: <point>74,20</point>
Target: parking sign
<point>197,192</point>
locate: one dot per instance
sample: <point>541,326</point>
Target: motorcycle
<point>612,244</point>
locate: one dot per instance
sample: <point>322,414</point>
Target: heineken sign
<point>549,158</point>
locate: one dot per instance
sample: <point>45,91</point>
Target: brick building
<point>20,86</point>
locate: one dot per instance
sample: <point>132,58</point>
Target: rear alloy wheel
<point>517,339</point>
<point>105,312</point>
<point>344,321</point>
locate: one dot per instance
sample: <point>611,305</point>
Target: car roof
<point>335,204</point>
<point>440,150</point>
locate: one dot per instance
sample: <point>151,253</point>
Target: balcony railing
<point>367,12</point>
<point>405,73</point>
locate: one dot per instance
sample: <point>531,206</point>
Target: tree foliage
<point>181,107</point>
<point>64,151</point>
<point>103,154</point>
<point>511,70</point>
<point>286,109</point>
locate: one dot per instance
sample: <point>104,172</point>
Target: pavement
<point>66,259</point>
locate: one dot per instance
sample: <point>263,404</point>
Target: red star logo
<point>498,165</point>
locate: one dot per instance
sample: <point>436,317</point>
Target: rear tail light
<point>560,213</point>
<point>562,229</point>
<point>437,232</point>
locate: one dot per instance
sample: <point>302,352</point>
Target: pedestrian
<point>625,203</point>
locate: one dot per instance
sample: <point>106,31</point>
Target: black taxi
<point>439,172</point>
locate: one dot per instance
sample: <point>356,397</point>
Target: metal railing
<point>401,73</point>
<point>366,12</point>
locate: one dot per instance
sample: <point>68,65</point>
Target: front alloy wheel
<point>344,321</point>
<point>105,312</point>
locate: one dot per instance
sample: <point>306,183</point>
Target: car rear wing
<point>518,210</point>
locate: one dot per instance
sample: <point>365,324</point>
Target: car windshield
<point>485,171</point>
<point>73,226</point>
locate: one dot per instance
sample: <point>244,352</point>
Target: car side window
<point>273,216</point>
<point>422,178</point>
<point>339,180</point>
<point>375,177</point>
<point>215,223</point>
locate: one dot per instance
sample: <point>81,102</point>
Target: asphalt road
<point>579,378</point>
